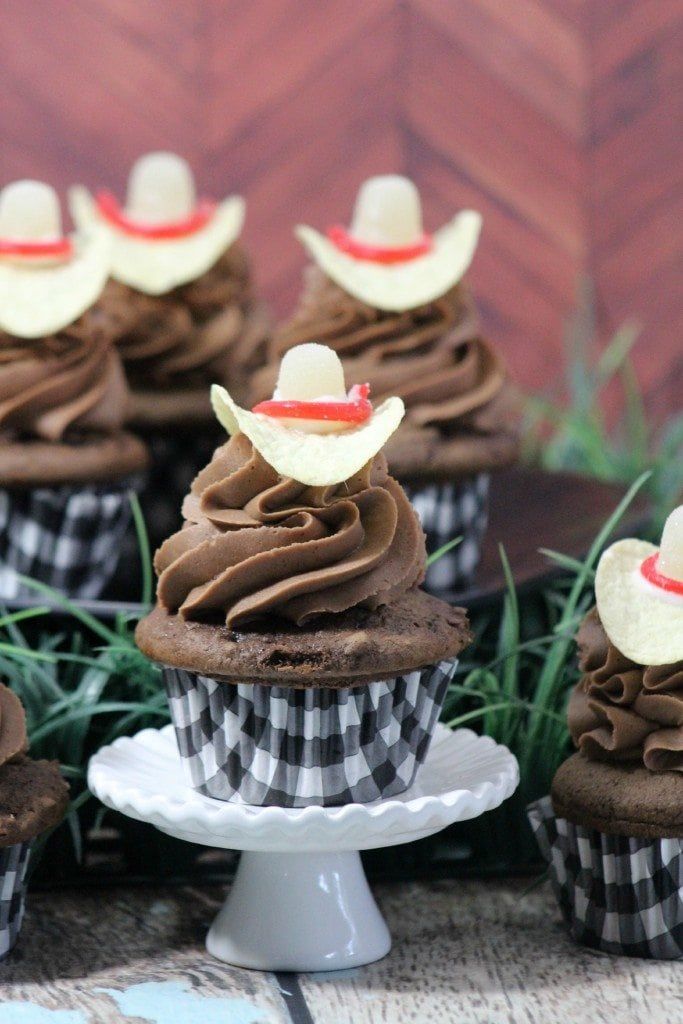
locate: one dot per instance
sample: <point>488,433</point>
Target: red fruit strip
<point>357,410</point>
<point>652,574</point>
<point>376,253</point>
<point>62,247</point>
<point>108,206</point>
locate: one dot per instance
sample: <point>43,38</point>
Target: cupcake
<point>33,798</point>
<point>303,665</point>
<point>66,466</point>
<point>182,307</point>
<point>390,300</point>
<point>612,827</point>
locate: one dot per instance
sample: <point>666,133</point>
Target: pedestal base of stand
<point>299,912</point>
<point>302,902</point>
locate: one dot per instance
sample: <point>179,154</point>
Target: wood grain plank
<point>473,952</point>
<point>536,73</point>
<point>101,95</point>
<point>280,32</point>
<point>75,945</point>
<point>632,27</point>
<point>496,139</point>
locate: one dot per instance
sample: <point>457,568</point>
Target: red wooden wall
<point>559,119</point>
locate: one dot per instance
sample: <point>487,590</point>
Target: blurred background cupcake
<point>389,298</point>
<point>612,828</point>
<point>33,798</point>
<point>303,664</point>
<point>66,465</point>
<point>182,308</point>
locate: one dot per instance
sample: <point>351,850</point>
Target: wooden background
<point>559,119</point>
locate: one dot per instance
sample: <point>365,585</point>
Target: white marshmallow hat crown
<point>388,212</point>
<point>161,191</point>
<point>160,188</point>
<point>641,609</point>
<point>310,372</point>
<point>30,211</point>
<point>44,294</point>
<point>388,215</point>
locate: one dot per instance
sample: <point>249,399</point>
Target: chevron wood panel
<point>636,188</point>
<point>87,85</point>
<point>480,135</point>
<point>298,140</point>
<point>559,119</point>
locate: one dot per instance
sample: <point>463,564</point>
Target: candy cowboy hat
<point>163,237</point>
<point>312,431</point>
<point>385,258</point>
<point>639,594</point>
<point>47,280</point>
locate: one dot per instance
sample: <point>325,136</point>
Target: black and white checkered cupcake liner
<point>446,511</point>
<point>287,747</point>
<point>13,864</point>
<point>68,537</point>
<point>618,894</point>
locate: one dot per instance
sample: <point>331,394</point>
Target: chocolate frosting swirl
<point>71,381</point>
<point>254,543</point>
<point>433,357</point>
<point>13,739</point>
<point>208,330</point>
<point>621,711</point>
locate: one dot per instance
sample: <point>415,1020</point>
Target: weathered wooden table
<point>465,952</point>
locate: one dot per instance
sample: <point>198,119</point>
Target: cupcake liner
<point>457,509</point>
<point>619,894</point>
<point>13,864</point>
<point>68,537</point>
<point>275,745</point>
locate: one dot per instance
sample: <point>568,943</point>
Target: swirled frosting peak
<point>432,357</point>
<point>209,329</point>
<point>255,543</point>
<point>621,711</point>
<point>68,381</point>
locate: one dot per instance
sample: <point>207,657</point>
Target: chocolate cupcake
<point>391,302</point>
<point>182,307</point>
<point>66,465</point>
<point>612,828</point>
<point>33,798</point>
<point>303,665</point>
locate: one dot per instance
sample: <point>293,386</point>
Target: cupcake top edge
<point>312,430</point>
<point>13,737</point>
<point>163,235</point>
<point>33,794</point>
<point>628,705</point>
<point>386,258</point>
<point>391,300</point>
<point>47,279</point>
<point>639,595</point>
<point>297,514</point>
<point>66,383</point>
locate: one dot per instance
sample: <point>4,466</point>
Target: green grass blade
<point>443,550</point>
<point>144,549</point>
<point>86,618</point>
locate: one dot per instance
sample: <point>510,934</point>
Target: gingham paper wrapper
<point>13,863</point>
<point>68,537</point>
<point>617,894</point>
<point>446,511</point>
<point>272,745</point>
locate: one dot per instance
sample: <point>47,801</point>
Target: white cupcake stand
<point>300,900</point>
